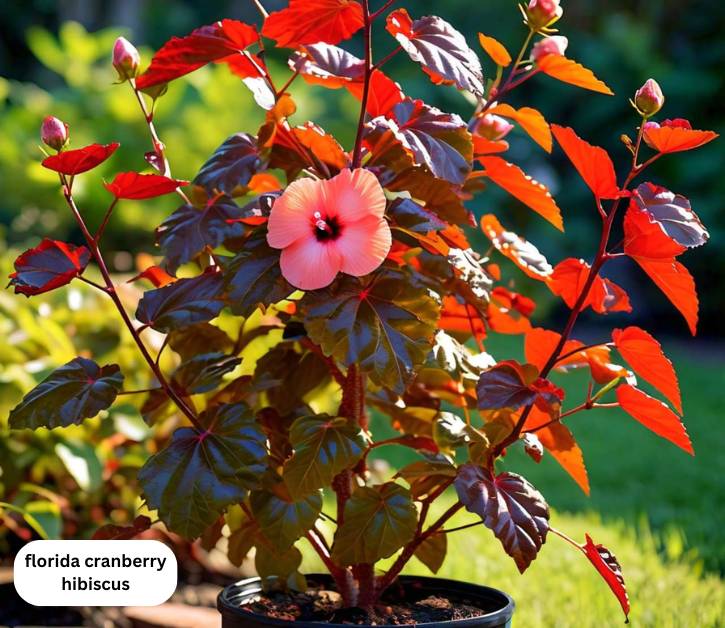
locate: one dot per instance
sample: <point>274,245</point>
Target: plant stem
<point>110,289</point>
<point>367,36</point>
<point>387,58</point>
<point>381,10</point>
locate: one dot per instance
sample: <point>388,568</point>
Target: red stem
<point>367,35</point>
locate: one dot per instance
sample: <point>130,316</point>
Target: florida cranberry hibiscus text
<point>355,266</point>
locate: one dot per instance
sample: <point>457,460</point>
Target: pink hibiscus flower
<point>330,226</point>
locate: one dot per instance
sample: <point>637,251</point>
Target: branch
<point>367,34</point>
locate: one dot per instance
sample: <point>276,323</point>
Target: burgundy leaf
<point>72,162</point>
<point>439,48</point>
<point>132,185</point>
<point>507,385</point>
<point>510,506</point>
<point>121,533</point>
<point>608,567</point>
<point>233,164</point>
<point>49,265</point>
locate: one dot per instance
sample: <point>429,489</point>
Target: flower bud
<point>649,98</point>
<point>493,127</point>
<point>125,59</point>
<point>54,132</point>
<point>554,45</point>
<point>542,13</point>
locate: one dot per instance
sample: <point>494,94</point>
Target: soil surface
<point>321,605</point>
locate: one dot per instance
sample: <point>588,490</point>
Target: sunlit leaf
<point>312,21</point>
<point>495,49</point>
<point>608,567</point>
<point>281,521</point>
<point>522,253</point>
<point>673,136</point>
<point>432,551</point>
<point>49,265</point>
<point>133,185</point>
<point>531,121</point>
<point>569,71</point>
<point>73,162</point>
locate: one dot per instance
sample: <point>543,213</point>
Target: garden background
<point>661,510</point>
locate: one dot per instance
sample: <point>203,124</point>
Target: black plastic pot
<point>413,588</point>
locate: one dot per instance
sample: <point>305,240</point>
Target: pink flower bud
<point>648,126</point>
<point>542,13</point>
<point>493,127</point>
<point>54,132</point>
<point>125,59</point>
<point>649,98</point>
<point>554,45</point>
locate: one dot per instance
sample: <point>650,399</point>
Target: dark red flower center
<point>326,228</point>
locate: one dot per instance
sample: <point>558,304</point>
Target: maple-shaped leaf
<point>199,473</point>
<point>190,230</point>
<point>384,322</point>
<point>654,415</point>
<point>47,266</point>
<point>644,354</point>
<point>592,162</point>
<point>673,136</point>
<point>312,21</point>
<point>511,385</point>
<point>531,121</point>
<point>181,55</point>
<point>77,390</point>
<point>569,279</point>
<point>282,521</point>
<point>522,253</point>
<point>232,165</point>
<point>378,521</point>
<point>73,162</point>
<point>323,447</point>
<point>495,49</point>
<point>608,567</point>
<point>676,283</point>
<point>182,303</point>
<point>253,276</point>
<point>510,506</point>
<point>136,186</point>
<point>569,71</point>
<point>521,186</point>
<point>672,212</point>
<point>203,372</point>
<point>439,48</point>
<point>111,532</point>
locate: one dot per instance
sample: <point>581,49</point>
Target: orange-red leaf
<point>72,162</point>
<point>676,283</point>
<point>654,415</point>
<point>608,567</point>
<point>644,354</point>
<point>569,71</point>
<point>133,185</point>
<point>312,21</point>
<point>645,237</point>
<point>540,343</point>
<point>482,146</point>
<point>531,121</point>
<point>156,275</point>
<point>672,139</point>
<point>495,49</point>
<point>521,186</point>
<point>522,253</point>
<point>509,312</point>
<point>592,162</point>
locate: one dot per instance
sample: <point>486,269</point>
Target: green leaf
<point>82,462</point>
<point>323,447</point>
<point>253,276</point>
<point>198,474</point>
<point>182,303</point>
<point>204,372</point>
<point>449,431</point>
<point>432,551</point>
<point>379,520</point>
<point>425,476</point>
<point>77,390</point>
<point>385,322</point>
<point>283,522</point>
<point>282,566</point>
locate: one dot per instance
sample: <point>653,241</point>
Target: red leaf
<point>531,121</point>
<point>522,253</point>
<point>654,415</point>
<point>645,238</point>
<point>495,49</point>
<point>644,354</point>
<point>72,162</point>
<point>482,146</point>
<point>568,281</point>
<point>132,185</point>
<point>461,318</point>
<point>608,567</point>
<point>608,297</point>
<point>156,275</point>
<point>676,283</point>
<point>569,71</point>
<point>521,186</point>
<point>384,94</point>
<point>119,533</point>
<point>181,55</point>
<point>509,312</point>
<point>675,135</point>
<point>49,265</point>
<point>312,21</point>
<point>592,162</point>
<point>540,343</point>
<point>439,48</point>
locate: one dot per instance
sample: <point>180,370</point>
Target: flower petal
<point>291,215</point>
<point>354,194</point>
<point>309,264</point>
<point>364,245</point>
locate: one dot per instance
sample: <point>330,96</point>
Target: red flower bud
<point>54,132</point>
<point>542,13</point>
<point>554,45</point>
<point>649,98</point>
<point>492,127</point>
<point>125,59</point>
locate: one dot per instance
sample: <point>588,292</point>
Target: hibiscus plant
<point>303,287</point>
